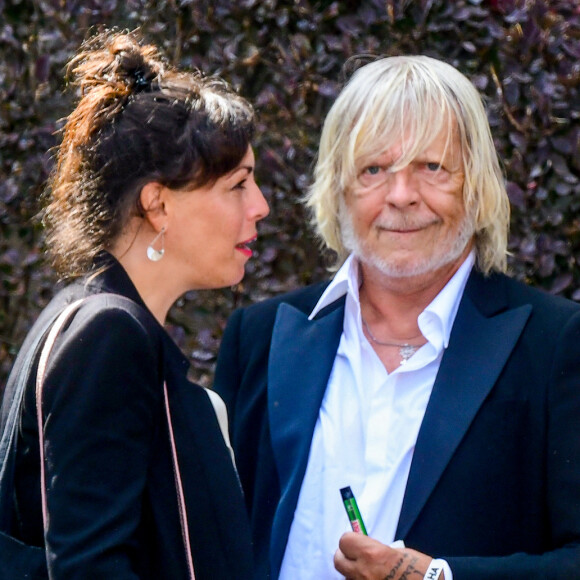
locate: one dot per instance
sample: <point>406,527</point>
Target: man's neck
<point>396,302</point>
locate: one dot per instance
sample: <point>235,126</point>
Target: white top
<point>366,430</point>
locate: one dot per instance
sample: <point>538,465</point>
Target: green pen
<point>351,507</point>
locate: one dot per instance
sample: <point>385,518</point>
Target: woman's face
<point>209,229</point>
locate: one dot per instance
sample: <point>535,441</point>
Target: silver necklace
<point>406,350</point>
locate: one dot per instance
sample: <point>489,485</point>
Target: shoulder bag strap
<point>46,350</point>
<point>179,487</point>
<point>48,345</point>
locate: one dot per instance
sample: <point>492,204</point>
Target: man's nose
<point>401,188</point>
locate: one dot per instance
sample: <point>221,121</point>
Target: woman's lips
<point>243,246</point>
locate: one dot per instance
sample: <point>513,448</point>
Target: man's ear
<point>153,204</point>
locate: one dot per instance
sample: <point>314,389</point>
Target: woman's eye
<point>240,185</point>
<point>432,166</point>
<point>372,170</point>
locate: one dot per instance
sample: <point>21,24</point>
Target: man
<point>445,394</point>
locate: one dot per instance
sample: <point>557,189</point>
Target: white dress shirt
<point>366,430</point>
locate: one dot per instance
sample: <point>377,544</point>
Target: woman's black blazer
<point>111,494</point>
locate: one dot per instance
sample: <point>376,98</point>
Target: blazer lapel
<point>301,359</point>
<point>468,371</point>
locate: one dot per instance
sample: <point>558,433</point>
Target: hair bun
<point>116,63</point>
<point>137,65</point>
<point>109,69</point>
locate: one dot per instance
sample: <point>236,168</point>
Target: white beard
<point>448,251</point>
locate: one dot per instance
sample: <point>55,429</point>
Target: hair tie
<point>140,80</point>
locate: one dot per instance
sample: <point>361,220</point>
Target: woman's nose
<point>260,207</point>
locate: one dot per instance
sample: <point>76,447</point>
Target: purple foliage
<point>287,57</point>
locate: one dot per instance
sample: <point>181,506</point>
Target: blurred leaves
<point>287,57</point>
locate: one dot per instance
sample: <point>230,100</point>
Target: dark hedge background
<point>286,57</point>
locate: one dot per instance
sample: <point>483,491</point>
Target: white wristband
<point>435,570</point>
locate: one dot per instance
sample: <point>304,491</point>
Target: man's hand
<point>361,558</point>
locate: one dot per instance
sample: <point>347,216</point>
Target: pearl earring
<point>153,254</point>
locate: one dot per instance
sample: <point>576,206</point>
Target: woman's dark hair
<point>138,120</point>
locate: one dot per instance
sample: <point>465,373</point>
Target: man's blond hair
<point>383,104</point>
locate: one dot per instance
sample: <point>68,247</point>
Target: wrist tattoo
<point>394,569</point>
<point>408,572</point>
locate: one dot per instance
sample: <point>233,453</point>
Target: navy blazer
<point>111,493</point>
<point>494,485</point>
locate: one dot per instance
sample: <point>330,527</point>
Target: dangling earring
<point>153,254</point>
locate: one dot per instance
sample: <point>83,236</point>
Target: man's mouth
<point>244,246</point>
<point>404,228</point>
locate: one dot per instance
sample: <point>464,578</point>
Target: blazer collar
<point>483,336</point>
<point>110,277</point>
<point>301,359</point>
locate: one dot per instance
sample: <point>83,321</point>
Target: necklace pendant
<point>406,351</point>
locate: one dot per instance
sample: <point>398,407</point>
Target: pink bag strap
<point>179,487</point>
<point>46,350</point>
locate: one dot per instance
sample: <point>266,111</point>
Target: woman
<point>153,195</point>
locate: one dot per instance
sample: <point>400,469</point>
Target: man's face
<point>412,221</point>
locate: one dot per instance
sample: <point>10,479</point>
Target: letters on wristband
<point>435,570</point>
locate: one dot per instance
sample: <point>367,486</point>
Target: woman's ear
<point>153,204</point>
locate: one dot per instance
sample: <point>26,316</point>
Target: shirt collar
<point>443,308</point>
<point>345,281</point>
